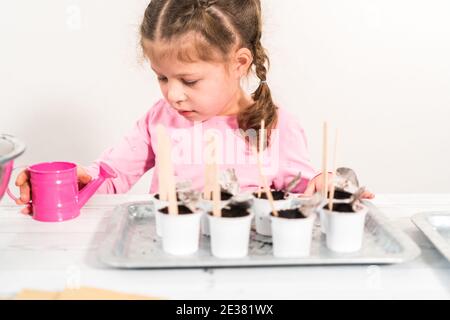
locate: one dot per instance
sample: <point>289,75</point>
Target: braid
<point>264,107</point>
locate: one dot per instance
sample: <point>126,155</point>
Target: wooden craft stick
<point>330,201</point>
<point>261,175</point>
<point>215,180</point>
<point>324,160</point>
<point>167,177</point>
<point>266,187</point>
<point>260,188</point>
<point>207,190</point>
<point>209,172</point>
<point>260,183</point>
<point>259,154</point>
<point>211,189</point>
<point>162,190</point>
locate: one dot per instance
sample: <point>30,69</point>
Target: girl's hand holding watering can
<point>23,182</point>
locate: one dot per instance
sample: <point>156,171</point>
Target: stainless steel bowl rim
<point>18,148</point>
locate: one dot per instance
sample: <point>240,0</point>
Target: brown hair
<point>214,24</point>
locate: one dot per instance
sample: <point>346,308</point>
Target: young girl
<point>200,52</point>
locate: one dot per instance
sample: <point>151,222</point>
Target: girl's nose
<point>175,93</point>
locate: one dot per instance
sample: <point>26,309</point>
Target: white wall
<point>72,82</point>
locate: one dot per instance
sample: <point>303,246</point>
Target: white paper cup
<point>230,236</point>
<point>262,210</point>
<point>207,206</point>
<point>345,230</point>
<point>181,232</point>
<point>292,238</point>
<point>323,216</point>
<point>159,204</point>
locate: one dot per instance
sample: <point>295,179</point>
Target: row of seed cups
<point>290,221</point>
<point>229,230</point>
<point>227,223</point>
<point>292,225</point>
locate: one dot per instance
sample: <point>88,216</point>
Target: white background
<point>72,81</point>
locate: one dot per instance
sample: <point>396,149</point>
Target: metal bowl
<point>10,149</point>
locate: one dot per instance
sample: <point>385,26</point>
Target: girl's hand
<point>316,184</point>
<point>23,182</point>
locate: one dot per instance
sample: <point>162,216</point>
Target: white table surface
<point>53,256</point>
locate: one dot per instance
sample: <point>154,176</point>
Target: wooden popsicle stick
<point>259,154</point>
<point>217,212</point>
<point>325,160</point>
<point>212,187</point>
<point>167,169</point>
<point>209,172</point>
<point>261,175</point>
<point>259,188</point>
<point>215,181</point>
<point>207,190</point>
<point>266,188</point>
<point>330,201</point>
<point>162,190</point>
<point>171,185</point>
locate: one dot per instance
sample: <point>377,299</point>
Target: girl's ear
<point>242,61</point>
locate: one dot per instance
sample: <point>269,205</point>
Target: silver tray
<point>131,242</point>
<point>436,227</point>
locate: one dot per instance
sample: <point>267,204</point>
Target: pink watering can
<point>54,190</point>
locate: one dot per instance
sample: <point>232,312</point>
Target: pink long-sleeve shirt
<point>286,155</point>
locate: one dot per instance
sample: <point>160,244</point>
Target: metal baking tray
<point>131,242</point>
<point>436,227</point>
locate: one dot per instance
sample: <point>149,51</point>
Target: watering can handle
<point>8,191</point>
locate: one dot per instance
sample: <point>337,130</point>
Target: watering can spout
<point>88,191</point>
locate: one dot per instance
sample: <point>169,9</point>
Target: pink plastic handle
<point>8,191</point>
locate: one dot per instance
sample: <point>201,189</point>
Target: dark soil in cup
<point>224,196</point>
<point>276,194</point>
<point>157,197</point>
<point>244,205</point>
<point>181,210</point>
<point>340,194</point>
<point>233,211</point>
<point>290,214</point>
<point>341,207</point>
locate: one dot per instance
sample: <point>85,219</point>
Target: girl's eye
<point>190,83</point>
<point>185,82</point>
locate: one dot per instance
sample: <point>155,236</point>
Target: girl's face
<point>201,90</point>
